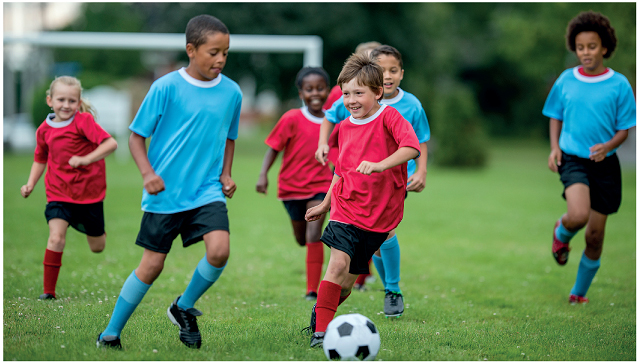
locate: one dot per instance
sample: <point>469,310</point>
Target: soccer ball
<point>351,337</point>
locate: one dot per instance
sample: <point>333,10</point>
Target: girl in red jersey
<point>303,182</point>
<point>73,146</point>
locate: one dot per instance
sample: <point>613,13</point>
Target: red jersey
<point>372,202</point>
<point>56,143</point>
<point>332,142</point>
<point>334,95</point>
<point>300,177</point>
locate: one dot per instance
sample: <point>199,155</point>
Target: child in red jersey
<point>366,197</point>
<point>303,182</point>
<point>73,146</point>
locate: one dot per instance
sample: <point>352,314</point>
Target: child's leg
<point>53,254</point>
<point>96,243</point>
<point>578,204</point>
<point>390,254</point>
<point>329,294</point>
<point>299,230</point>
<point>133,290</point>
<point>590,262</point>
<point>209,268</point>
<point>314,256</point>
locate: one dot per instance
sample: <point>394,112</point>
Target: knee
<point>576,220</point>
<point>218,258</point>
<point>338,267</point>
<point>97,246</point>
<point>56,241</point>
<point>300,239</point>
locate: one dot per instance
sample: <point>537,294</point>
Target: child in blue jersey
<point>387,258</point>
<point>192,118</point>
<point>591,108</point>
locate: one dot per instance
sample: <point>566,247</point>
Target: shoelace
<point>393,299</point>
<point>191,321</point>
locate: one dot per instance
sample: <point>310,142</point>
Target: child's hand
<point>26,190</point>
<point>416,182</point>
<point>315,213</point>
<point>367,168</point>
<point>154,184</point>
<point>77,161</point>
<point>598,152</point>
<point>262,185</point>
<point>555,159</point>
<point>228,186</point>
<point>321,153</point>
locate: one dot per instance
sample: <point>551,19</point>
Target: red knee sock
<point>341,299</point>
<point>326,304</point>
<point>52,263</point>
<point>314,265</point>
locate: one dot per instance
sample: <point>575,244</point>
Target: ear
<point>379,93</point>
<point>190,50</point>
<point>604,51</point>
<point>49,101</point>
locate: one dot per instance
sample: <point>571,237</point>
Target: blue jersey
<point>406,104</point>
<point>189,122</point>
<point>592,109</point>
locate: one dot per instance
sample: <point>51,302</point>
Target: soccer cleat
<point>311,296</point>
<point>186,320</point>
<point>312,327</point>
<point>317,339</point>
<point>109,341</point>
<point>560,249</point>
<point>394,306</point>
<point>46,296</point>
<point>576,299</point>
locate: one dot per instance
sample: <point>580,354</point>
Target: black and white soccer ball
<point>351,337</point>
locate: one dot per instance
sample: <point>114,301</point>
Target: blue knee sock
<point>203,278</point>
<point>390,252</point>
<point>562,234</point>
<point>129,298</point>
<point>380,268</point>
<point>585,274</point>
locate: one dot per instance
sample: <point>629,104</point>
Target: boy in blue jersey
<point>192,116</point>
<point>591,108</point>
<point>387,258</point>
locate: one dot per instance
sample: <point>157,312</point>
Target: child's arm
<point>104,149</point>
<point>417,181</point>
<point>268,160</point>
<point>153,183</point>
<point>600,150</point>
<point>323,149</point>
<point>555,157</point>
<point>401,156</point>
<point>37,169</point>
<point>229,187</point>
<point>315,213</point>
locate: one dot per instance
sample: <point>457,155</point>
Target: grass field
<point>477,274</point>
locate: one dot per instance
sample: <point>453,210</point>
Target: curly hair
<point>592,21</point>
<point>304,72</point>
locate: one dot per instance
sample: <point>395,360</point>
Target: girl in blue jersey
<point>591,108</point>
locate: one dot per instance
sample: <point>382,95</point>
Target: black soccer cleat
<point>317,339</point>
<point>312,327</point>
<point>46,296</point>
<point>109,341</point>
<point>394,306</point>
<point>311,296</point>
<point>186,320</point>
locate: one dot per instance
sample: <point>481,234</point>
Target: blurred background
<point>481,70</point>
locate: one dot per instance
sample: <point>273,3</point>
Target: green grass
<point>477,274</point>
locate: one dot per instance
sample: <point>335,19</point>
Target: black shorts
<point>158,231</point>
<point>603,179</point>
<point>297,208</point>
<point>359,244</point>
<point>85,218</point>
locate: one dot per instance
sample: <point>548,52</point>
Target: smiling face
<point>360,100</point>
<point>590,52</point>
<point>208,59</point>
<point>314,93</point>
<point>64,100</point>
<point>392,74</point>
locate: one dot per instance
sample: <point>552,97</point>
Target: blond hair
<point>363,68</point>
<point>367,47</point>
<point>85,105</point>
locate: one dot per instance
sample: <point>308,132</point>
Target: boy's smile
<point>314,93</point>
<point>392,74</point>
<point>208,59</point>
<point>361,101</point>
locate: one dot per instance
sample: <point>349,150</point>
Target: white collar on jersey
<point>370,118</point>
<point>310,117</point>
<point>593,79</point>
<point>197,82</point>
<point>52,123</point>
<point>394,100</point>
